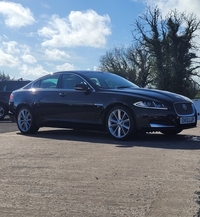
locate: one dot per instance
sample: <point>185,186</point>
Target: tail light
<point>11,97</point>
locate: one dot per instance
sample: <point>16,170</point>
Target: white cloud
<point>96,68</point>
<point>79,29</point>
<point>36,71</point>
<point>13,53</point>
<point>24,48</point>
<point>188,6</point>
<point>56,54</point>
<point>29,58</point>
<point>15,14</point>
<point>4,37</point>
<point>11,47</point>
<point>8,60</point>
<point>47,32</point>
<point>65,67</point>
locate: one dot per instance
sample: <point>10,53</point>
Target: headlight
<point>150,105</point>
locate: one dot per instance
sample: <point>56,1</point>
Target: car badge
<point>184,107</point>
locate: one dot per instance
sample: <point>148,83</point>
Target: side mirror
<point>81,87</point>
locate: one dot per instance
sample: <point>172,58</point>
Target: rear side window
<point>47,82</point>
<point>2,85</point>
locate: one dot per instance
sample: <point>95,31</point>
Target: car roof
<point>80,72</point>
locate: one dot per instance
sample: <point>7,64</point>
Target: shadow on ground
<point>154,140</point>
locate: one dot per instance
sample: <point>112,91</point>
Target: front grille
<point>184,108</point>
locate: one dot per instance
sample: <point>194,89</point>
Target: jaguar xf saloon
<point>94,100</point>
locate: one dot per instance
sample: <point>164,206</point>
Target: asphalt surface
<point>64,173</point>
<point>7,126</point>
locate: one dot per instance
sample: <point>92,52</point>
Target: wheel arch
<point>110,106</point>
<point>22,105</point>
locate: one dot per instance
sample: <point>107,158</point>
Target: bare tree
<point>131,63</point>
<point>170,43</point>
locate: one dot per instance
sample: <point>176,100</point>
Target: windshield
<point>110,81</point>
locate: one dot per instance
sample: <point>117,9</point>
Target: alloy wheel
<point>119,123</point>
<point>26,121</point>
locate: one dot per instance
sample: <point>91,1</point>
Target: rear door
<point>43,98</point>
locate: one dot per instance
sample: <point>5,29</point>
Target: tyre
<point>26,121</point>
<point>3,112</point>
<point>120,123</point>
<point>170,132</point>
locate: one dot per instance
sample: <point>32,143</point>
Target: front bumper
<point>151,120</point>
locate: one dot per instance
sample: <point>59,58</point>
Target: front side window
<point>70,80</point>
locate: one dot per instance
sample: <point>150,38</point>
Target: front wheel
<point>26,121</point>
<point>120,123</point>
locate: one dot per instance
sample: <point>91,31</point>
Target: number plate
<point>187,120</point>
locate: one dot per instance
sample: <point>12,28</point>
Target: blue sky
<point>42,36</point>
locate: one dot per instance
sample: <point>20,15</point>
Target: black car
<point>6,88</point>
<point>99,101</point>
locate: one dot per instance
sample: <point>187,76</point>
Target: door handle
<point>62,94</point>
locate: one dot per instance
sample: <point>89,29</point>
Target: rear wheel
<point>3,112</point>
<point>120,123</point>
<point>26,121</point>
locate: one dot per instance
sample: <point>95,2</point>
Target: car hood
<point>154,94</point>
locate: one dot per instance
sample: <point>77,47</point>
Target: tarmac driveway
<point>87,174</point>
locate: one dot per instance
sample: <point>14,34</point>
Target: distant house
<point>197,104</point>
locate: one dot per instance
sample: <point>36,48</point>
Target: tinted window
<point>2,85</point>
<point>47,82</point>
<point>69,81</point>
<point>12,85</point>
<point>109,80</point>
